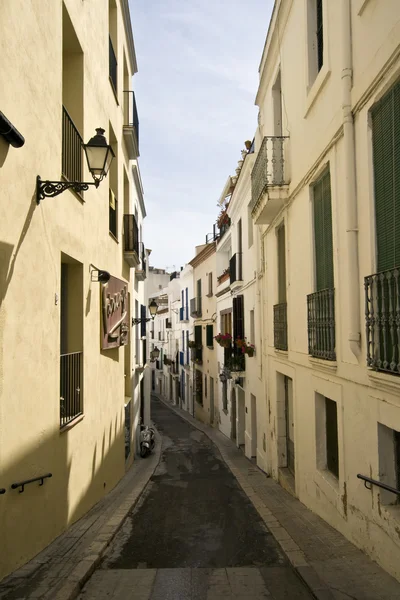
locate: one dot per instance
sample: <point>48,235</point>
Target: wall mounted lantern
<point>153,307</point>
<point>154,354</point>
<point>99,155</point>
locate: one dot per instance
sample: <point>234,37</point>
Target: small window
<point>113,213</point>
<point>389,462</point>
<point>210,285</point>
<point>205,386</point>
<point>315,38</point>
<point>225,395</point>
<point>326,431</point>
<point>210,336</point>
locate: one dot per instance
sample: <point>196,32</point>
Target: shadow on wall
<point>4,148</point>
<point>31,520</point>
<point>8,258</point>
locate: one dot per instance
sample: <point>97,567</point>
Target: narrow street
<point>194,533</point>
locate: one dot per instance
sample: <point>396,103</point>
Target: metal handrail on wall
<point>378,484</point>
<point>22,484</point>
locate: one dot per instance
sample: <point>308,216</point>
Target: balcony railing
<point>71,149</point>
<point>269,168</point>
<point>195,307</point>
<point>112,65</point>
<point>70,387</point>
<point>197,355</point>
<point>131,124</point>
<point>321,324</point>
<point>141,267</point>
<point>280,326</point>
<point>212,237</point>
<point>234,359</point>
<point>224,226</point>
<point>235,267</point>
<point>382,316</point>
<point>131,240</point>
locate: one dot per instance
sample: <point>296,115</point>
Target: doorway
<point>241,418</point>
<point>289,420</point>
<point>233,416</point>
<point>253,408</point>
<point>212,408</point>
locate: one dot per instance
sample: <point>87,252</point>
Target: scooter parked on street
<point>147,440</point>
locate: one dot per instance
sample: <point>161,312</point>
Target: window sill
<point>329,366</point>
<point>113,237</point>
<point>72,423</point>
<point>317,86</point>
<point>283,353</point>
<point>385,381</point>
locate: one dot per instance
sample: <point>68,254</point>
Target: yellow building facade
<point>66,363</point>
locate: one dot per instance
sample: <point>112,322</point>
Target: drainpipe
<point>350,191</point>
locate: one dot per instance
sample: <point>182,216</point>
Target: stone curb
<point>77,578</point>
<point>296,557</point>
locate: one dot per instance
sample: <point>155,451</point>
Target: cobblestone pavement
<point>194,535</point>
<point>332,567</point>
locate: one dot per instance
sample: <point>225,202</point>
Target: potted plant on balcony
<point>224,339</point>
<point>224,275</point>
<point>245,348</point>
<point>192,344</point>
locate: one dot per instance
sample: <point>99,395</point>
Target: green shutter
<point>323,233</point>
<point>197,335</point>
<point>386,162</point>
<point>210,336</point>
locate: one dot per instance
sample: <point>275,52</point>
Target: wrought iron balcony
<point>131,124</point>
<point>235,268</point>
<point>112,65</point>
<point>197,355</point>
<point>70,387</point>
<point>234,359</point>
<point>280,326</point>
<point>321,324</point>
<point>195,307</point>
<point>212,237</point>
<point>382,319</point>
<point>71,150</point>
<point>141,267</point>
<point>131,241</point>
<point>270,175</point>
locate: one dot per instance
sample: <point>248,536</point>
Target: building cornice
<point>126,15</point>
<point>203,255</point>
<point>139,188</point>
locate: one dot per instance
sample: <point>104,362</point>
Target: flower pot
<point>250,352</point>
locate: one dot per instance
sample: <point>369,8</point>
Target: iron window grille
<point>321,324</point>
<point>71,150</point>
<point>70,387</point>
<point>280,326</point>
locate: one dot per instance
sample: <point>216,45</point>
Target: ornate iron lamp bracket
<point>49,189</point>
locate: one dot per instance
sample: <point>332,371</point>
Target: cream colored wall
<point>364,398</point>
<point>209,366</point>
<point>87,460</point>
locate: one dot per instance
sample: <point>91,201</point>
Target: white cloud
<point>198,73</point>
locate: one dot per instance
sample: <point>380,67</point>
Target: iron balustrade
<point>223,228</point>
<point>280,326</point>
<point>378,484</point>
<point>70,387</point>
<point>195,307</point>
<point>71,149</point>
<point>235,267</point>
<point>131,118</point>
<point>197,354</point>
<point>112,65</point>
<point>212,237</point>
<point>382,319</point>
<point>131,234</point>
<point>22,484</point>
<point>234,359</point>
<point>269,168</point>
<point>321,324</point>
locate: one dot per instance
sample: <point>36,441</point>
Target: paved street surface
<point>194,533</point>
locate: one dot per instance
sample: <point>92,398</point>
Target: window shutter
<point>197,335</point>
<point>143,322</point>
<point>323,233</point>
<point>210,335</point>
<point>386,162</point>
<point>238,317</point>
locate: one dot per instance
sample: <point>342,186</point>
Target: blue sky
<point>195,90</point>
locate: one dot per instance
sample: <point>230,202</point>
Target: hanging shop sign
<point>114,313</point>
